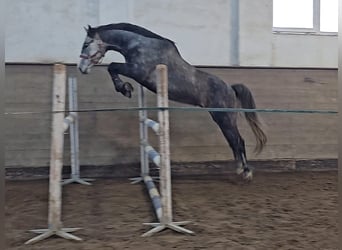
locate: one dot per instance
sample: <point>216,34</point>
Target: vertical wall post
<point>234,33</point>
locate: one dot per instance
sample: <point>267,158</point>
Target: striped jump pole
<point>56,163</point>
<point>71,123</point>
<point>162,203</point>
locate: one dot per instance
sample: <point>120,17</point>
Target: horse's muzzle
<point>84,65</point>
<point>83,71</point>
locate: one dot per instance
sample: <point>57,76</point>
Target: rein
<point>91,58</point>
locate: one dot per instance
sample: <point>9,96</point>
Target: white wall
<point>200,30</point>
<point>51,31</point>
<point>256,33</point>
<point>304,50</point>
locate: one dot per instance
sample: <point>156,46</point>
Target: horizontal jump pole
<point>153,155</point>
<point>152,124</point>
<point>154,195</point>
<point>68,121</point>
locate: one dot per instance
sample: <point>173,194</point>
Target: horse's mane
<point>131,28</point>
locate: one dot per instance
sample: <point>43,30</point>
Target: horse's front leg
<point>124,88</point>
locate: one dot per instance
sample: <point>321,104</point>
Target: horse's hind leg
<point>228,125</point>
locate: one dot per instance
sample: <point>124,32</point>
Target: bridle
<point>93,57</point>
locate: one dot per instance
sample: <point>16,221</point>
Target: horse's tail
<point>247,102</point>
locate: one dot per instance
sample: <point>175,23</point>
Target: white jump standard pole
<point>56,163</point>
<point>143,132</point>
<point>71,123</point>
<point>165,166</point>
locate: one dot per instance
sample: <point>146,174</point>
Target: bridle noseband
<point>92,57</point>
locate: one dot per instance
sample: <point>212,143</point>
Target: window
<point>305,16</point>
<point>329,16</point>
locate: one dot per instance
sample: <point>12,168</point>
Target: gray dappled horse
<point>143,50</point>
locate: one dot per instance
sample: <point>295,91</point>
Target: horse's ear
<point>87,29</point>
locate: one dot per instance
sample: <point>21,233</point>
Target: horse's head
<point>93,50</point>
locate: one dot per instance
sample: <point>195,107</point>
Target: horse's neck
<point>117,40</point>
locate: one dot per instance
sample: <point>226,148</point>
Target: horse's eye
<point>86,44</point>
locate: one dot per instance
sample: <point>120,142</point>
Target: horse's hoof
<point>127,89</point>
<point>239,170</point>
<point>248,175</point>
